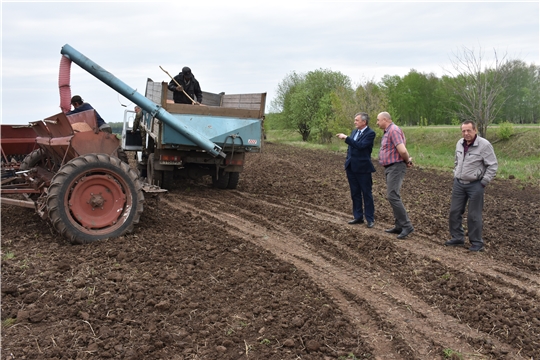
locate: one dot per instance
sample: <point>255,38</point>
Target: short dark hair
<point>76,100</point>
<point>364,116</point>
<point>469,122</point>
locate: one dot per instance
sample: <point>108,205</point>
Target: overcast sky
<point>242,47</point>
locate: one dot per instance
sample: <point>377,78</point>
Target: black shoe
<point>394,230</point>
<point>404,233</point>
<point>370,224</point>
<point>454,242</point>
<point>477,247</point>
<point>356,221</point>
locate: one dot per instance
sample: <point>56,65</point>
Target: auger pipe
<point>146,104</point>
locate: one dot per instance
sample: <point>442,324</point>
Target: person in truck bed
<point>183,85</point>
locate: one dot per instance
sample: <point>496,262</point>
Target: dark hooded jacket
<point>191,86</point>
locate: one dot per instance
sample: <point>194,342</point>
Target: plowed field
<point>272,270</point>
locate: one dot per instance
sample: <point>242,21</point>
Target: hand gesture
<point>179,88</point>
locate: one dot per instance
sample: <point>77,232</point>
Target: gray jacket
<point>480,162</point>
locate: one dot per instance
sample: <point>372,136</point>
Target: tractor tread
<point>66,176</point>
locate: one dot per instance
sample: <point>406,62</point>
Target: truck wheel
<point>222,181</point>
<point>155,177</point>
<point>143,170</point>
<point>234,177</point>
<point>94,197</point>
<point>167,179</point>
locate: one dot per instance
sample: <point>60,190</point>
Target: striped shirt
<point>388,154</point>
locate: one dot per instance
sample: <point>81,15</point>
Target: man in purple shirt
<point>393,155</point>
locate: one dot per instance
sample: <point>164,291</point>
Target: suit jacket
<point>359,152</point>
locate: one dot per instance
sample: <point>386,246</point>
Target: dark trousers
<point>394,179</point>
<point>361,184</point>
<point>472,193</point>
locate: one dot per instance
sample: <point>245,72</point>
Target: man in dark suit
<point>359,167</point>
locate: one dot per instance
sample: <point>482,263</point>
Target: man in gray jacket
<point>475,166</point>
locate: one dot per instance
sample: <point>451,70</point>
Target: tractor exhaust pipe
<point>149,106</point>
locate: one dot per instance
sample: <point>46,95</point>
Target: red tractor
<point>79,178</point>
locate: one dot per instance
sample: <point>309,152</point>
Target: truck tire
<point>234,177</point>
<point>167,180</point>
<point>143,170</point>
<point>94,197</point>
<point>221,181</point>
<point>155,177</point>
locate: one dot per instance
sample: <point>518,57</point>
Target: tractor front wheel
<point>33,159</point>
<point>94,197</point>
<point>38,158</point>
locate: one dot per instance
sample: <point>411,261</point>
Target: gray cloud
<point>240,47</point>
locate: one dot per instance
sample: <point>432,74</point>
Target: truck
<point>232,121</point>
<point>78,177</point>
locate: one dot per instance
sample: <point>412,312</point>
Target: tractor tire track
<point>397,324</point>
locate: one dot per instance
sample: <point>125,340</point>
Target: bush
<point>505,131</point>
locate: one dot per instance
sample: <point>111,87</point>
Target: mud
<point>272,270</point>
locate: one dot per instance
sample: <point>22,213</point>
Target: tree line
<point>320,103</point>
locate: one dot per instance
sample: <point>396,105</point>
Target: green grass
<point>8,322</point>
<point>8,255</point>
<point>433,147</point>
<point>452,354</point>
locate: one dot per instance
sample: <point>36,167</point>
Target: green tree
<point>370,98</point>
<point>446,106</point>
<point>522,93</point>
<point>392,86</point>
<point>414,96</point>
<point>344,108</point>
<point>305,102</point>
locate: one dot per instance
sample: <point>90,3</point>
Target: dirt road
<point>272,270</point>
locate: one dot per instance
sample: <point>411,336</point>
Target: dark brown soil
<point>272,270</point>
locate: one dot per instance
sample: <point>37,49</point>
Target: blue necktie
<point>357,135</point>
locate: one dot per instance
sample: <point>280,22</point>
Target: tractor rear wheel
<point>94,197</point>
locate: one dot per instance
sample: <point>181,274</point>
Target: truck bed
<point>227,120</point>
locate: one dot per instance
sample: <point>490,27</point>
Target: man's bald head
<point>384,120</point>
